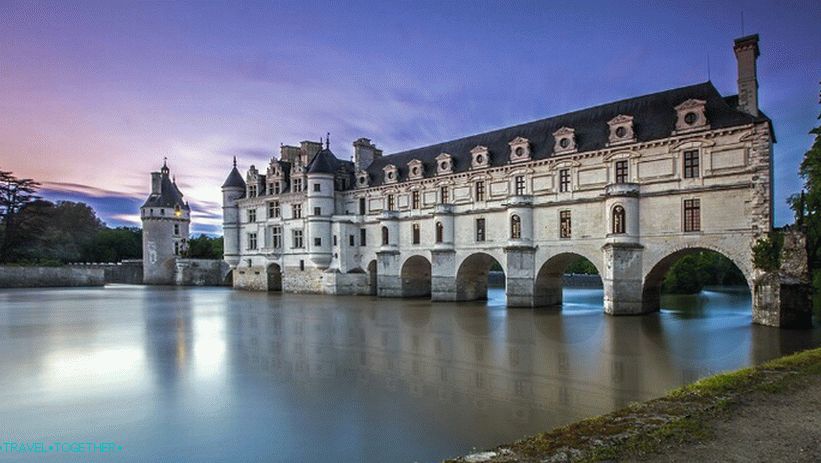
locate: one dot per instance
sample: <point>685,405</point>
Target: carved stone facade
<point>631,186</point>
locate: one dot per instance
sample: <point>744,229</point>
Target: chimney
<point>364,153</point>
<point>746,52</point>
<point>156,181</point>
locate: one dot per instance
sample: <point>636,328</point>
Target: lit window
<point>443,195</point>
<point>391,202</point>
<point>515,227</point>
<point>415,199</point>
<point>520,185</point>
<point>618,220</point>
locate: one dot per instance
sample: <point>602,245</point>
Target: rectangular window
<point>271,188</point>
<point>415,199</point>
<point>361,206</point>
<point>443,195</point>
<point>176,248</point>
<point>480,191</point>
<point>416,233</point>
<point>621,171</point>
<point>276,188</point>
<point>252,191</point>
<point>334,240</point>
<point>297,185</point>
<point>301,265</point>
<point>276,237</point>
<point>252,241</point>
<point>351,240</point>
<point>252,215</point>
<point>176,229</point>
<point>317,211</point>
<point>317,187</point>
<point>564,180</point>
<point>318,242</point>
<point>390,202</point>
<point>297,209</point>
<point>692,215</point>
<point>565,228</point>
<point>520,185</point>
<point>297,239</point>
<point>363,237</point>
<point>480,229</point>
<point>691,164</point>
<point>273,209</point>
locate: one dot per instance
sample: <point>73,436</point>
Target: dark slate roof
<point>234,179</point>
<point>169,196</point>
<point>325,162</point>
<point>654,117</point>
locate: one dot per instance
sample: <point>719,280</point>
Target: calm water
<point>211,374</point>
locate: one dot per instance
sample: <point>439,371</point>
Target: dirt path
<point>763,427</point>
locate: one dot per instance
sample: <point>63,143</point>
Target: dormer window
<point>519,149</point>
<point>391,173</point>
<point>416,169</point>
<point>621,130</point>
<point>565,141</point>
<point>691,115</point>
<point>444,164</point>
<point>480,157</point>
<point>362,179</point>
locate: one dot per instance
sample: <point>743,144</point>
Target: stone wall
<point>129,271</point>
<point>251,278</point>
<point>39,277</point>
<point>201,272</point>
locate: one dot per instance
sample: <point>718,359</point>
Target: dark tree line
<point>36,231</point>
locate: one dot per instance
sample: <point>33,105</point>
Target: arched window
<point>440,232</point>
<point>515,227</point>
<point>385,236</point>
<point>618,220</point>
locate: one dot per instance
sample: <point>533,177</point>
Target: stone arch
<point>547,286</point>
<point>652,280</point>
<point>472,276</point>
<point>415,277</point>
<point>228,278</point>
<point>274,275</point>
<point>372,285</point>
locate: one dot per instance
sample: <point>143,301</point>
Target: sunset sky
<point>93,95</point>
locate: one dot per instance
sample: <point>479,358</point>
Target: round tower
<point>166,218</point>
<point>319,192</point>
<point>232,190</point>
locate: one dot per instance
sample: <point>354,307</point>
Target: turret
<point>166,218</point>
<point>233,189</point>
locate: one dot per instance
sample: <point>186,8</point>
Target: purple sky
<point>93,95</point>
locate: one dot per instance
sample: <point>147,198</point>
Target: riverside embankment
<point>771,412</point>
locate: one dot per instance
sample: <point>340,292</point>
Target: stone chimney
<point>364,153</point>
<point>156,181</point>
<point>746,52</point>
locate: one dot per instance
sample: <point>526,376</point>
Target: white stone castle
<point>631,186</point>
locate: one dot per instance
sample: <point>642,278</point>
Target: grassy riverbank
<point>685,417</point>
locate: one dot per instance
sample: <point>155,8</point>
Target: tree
<point>15,195</point>
<point>114,245</point>
<point>807,204</point>
<point>204,247</point>
<point>58,232</point>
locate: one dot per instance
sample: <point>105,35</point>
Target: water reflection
<point>314,378</point>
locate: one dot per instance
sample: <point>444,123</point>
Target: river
<point>211,374</point>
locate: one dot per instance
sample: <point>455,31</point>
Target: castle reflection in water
<point>530,363</point>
